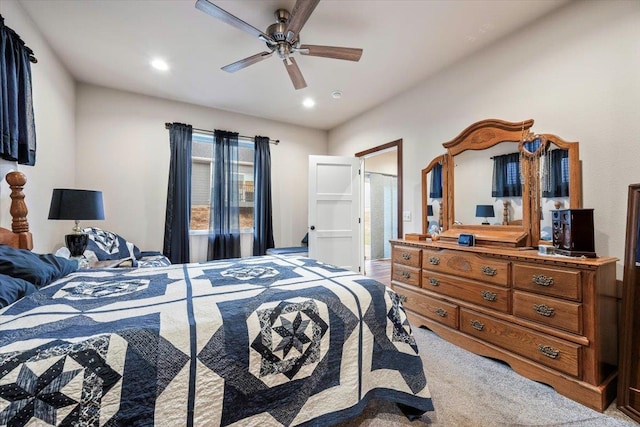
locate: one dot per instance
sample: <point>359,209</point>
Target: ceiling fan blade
<point>243,63</point>
<point>299,15</point>
<point>295,74</point>
<point>347,53</point>
<point>223,15</point>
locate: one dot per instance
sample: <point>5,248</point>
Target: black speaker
<point>573,232</point>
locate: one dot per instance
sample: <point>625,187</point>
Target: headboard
<point>19,235</point>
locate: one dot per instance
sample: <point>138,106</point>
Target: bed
<point>260,341</point>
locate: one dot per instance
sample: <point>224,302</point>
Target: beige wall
<point>574,72</point>
<point>54,110</point>
<point>123,150</point>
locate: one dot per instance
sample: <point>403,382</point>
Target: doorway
<point>382,196</point>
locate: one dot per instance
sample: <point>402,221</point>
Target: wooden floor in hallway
<point>379,270</point>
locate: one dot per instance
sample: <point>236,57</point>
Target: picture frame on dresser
<point>628,400</point>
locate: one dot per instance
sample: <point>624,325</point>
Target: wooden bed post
<point>18,210</point>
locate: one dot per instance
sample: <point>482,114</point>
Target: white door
<point>334,211</point>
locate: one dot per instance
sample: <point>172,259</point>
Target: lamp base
<point>76,243</point>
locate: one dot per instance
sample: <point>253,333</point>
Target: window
<point>201,172</point>
<point>506,176</point>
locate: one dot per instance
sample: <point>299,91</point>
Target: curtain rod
<point>272,141</point>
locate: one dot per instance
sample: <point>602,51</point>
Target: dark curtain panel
<point>262,220</point>
<point>178,214</point>
<point>506,176</point>
<point>555,174</point>
<point>17,126</point>
<point>224,222</point>
<point>436,182</point>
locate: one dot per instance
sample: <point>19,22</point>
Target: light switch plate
<point>406,216</point>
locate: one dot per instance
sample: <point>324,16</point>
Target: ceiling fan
<point>282,37</point>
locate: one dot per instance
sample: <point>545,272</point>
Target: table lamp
<point>76,205</point>
<point>484,211</point>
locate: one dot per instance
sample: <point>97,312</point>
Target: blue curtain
<point>17,125</point>
<point>178,213</point>
<point>436,182</point>
<point>224,219</point>
<point>262,219</point>
<point>555,173</point>
<point>506,176</point>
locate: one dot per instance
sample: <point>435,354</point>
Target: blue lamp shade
<point>429,210</point>
<point>485,211</point>
<point>76,205</point>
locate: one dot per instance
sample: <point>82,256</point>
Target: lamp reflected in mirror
<point>486,212</point>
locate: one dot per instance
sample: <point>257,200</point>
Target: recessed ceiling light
<point>336,94</point>
<point>160,64</point>
<point>309,103</point>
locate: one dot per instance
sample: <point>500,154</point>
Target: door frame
<point>398,145</point>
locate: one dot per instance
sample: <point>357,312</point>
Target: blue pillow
<point>106,245</point>
<point>12,289</point>
<point>35,268</point>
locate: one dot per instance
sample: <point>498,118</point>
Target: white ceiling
<point>110,43</point>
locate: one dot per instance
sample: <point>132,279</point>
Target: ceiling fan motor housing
<point>277,31</point>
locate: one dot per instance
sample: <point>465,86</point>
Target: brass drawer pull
<point>406,256</point>
<point>542,280</point>
<point>433,281</point>
<point>477,325</point>
<point>543,310</point>
<point>434,260</point>
<point>441,312</point>
<point>406,275</point>
<point>549,351</point>
<point>402,298</point>
<point>489,296</point>
<point>489,271</point>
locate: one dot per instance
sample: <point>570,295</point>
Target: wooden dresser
<point>551,318</point>
<point>629,383</point>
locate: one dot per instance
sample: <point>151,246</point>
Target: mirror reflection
<point>432,196</point>
<point>489,177</point>
<point>554,186</point>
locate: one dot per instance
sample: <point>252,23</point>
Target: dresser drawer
<point>550,311</point>
<point>555,353</point>
<point>495,297</point>
<point>549,281</point>
<point>440,311</point>
<point>406,274</point>
<point>406,255</point>
<point>469,265</point>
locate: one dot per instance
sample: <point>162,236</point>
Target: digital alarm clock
<point>466,239</point>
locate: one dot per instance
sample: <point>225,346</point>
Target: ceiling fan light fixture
<point>309,103</point>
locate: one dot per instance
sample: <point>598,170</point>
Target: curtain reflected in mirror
<point>554,186</point>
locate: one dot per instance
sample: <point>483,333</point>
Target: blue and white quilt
<point>264,341</point>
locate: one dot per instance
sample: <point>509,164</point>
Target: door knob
<point>313,227</point>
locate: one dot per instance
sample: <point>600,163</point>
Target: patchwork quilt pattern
<point>273,341</point>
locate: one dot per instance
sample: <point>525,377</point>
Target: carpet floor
<point>475,391</point>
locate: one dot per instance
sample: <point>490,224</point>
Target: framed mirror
<point>560,183</point>
<point>434,195</point>
<point>500,183</point>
